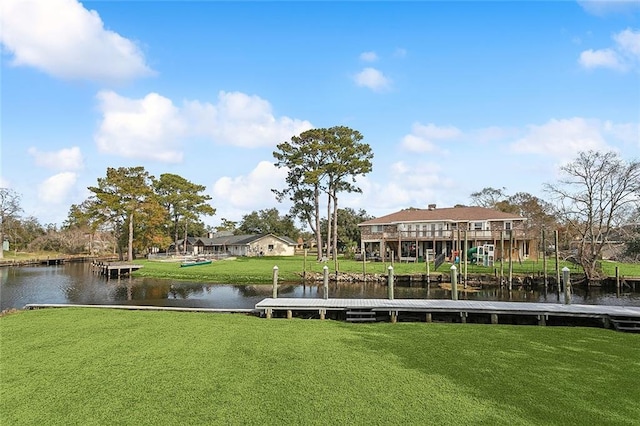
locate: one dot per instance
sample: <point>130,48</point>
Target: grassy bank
<point>82,366</point>
<point>290,268</point>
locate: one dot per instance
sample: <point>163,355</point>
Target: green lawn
<point>290,268</point>
<point>624,269</point>
<point>98,366</point>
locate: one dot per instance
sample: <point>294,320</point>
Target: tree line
<point>596,200</point>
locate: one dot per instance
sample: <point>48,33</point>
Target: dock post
<point>304,266</point>
<point>511,244</point>
<point>323,314</point>
<point>390,282</point>
<point>275,282</point>
<point>426,261</point>
<point>454,283</point>
<point>289,314</point>
<point>544,260</point>
<point>618,278</point>
<point>429,317</point>
<point>494,318</point>
<point>269,313</point>
<point>364,265</point>
<point>394,317</point>
<point>555,242</point>
<point>325,281</point>
<point>567,285</point>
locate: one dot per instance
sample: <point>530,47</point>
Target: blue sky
<point>452,96</point>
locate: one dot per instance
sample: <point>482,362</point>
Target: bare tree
<point>594,197</point>
<point>9,209</point>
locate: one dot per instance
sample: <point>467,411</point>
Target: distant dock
<point>114,269</point>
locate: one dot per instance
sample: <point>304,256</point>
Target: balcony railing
<point>443,235</point>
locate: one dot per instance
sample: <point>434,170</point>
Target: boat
<point>195,263</point>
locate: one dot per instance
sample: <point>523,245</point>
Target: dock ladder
<point>361,315</point>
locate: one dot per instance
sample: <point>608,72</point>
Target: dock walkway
<point>114,269</point>
<point>625,318</point>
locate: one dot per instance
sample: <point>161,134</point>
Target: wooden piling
<point>454,283</point>
<point>364,265</point>
<point>542,320</point>
<point>501,258</point>
<point>304,266</point>
<point>466,266</point>
<point>555,242</point>
<point>511,243</point>
<point>325,281</point>
<point>566,278</point>
<point>544,260</point>
<point>390,282</point>
<point>275,282</point>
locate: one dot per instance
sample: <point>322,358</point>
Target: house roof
<point>238,240</point>
<point>447,214</point>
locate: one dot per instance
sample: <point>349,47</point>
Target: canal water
<point>75,283</point>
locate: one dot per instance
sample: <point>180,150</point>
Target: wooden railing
<point>444,235</point>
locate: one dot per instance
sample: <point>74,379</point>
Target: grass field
<point>290,268</point>
<point>84,366</point>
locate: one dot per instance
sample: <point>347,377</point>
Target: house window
<point>477,226</point>
<point>270,247</point>
<point>508,226</point>
<point>376,228</point>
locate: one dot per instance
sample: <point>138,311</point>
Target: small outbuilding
<point>239,245</point>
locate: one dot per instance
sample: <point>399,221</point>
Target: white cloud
<point>425,138</point>
<point>623,56</point>
<point>372,79</point>
<point>609,7</point>
<point>147,128</point>
<point>605,58</point>
<point>369,56</point>
<point>628,43</point>
<point>253,191</point>
<point>55,189</point>
<point>409,184</point>
<point>241,120</point>
<point>562,138</point>
<point>153,127</point>
<point>62,38</point>
<point>4,183</point>
<point>66,159</point>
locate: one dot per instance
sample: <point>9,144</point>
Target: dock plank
<point>445,305</point>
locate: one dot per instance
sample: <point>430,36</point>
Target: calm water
<point>75,283</point>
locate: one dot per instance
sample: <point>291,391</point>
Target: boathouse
<point>483,234</point>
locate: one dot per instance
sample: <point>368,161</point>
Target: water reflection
<point>75,283</point>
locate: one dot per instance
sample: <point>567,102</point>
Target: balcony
<point>429,235</point>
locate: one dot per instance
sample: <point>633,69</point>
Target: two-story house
<point>453,231</point>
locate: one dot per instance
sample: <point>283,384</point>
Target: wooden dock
<point>623,318</point>
<point>33,306</point>
<point>114,269</point>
